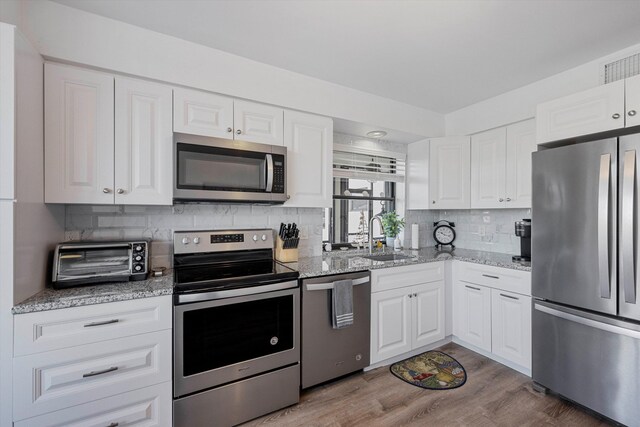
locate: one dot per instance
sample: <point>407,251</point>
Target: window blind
<point>368,164</point>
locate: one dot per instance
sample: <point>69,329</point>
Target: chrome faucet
<point>371,231</point>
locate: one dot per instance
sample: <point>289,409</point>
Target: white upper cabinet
<point>521,143</point>
<point>143,143</point>
<point>449,175</point>
<point>488,168</point>
<point>259,123</point>
<point>202,113</point>
<point>79,122</point>
<point>591,111</point>
<point>632,99</point>
<point>309,142</point>
<point>418,175</point>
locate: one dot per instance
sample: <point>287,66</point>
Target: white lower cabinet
<point>405,318</point>
<point>511,326</point>
<point>148,407</point>
<point>472,314</point>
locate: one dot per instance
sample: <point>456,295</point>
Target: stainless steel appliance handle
<point>96,247</point>
<point>588,322</point>
<point>325,286</point>
<point>254,290</point>
<point>627,258</point>
<point>269,173</point>
<point>603,225</point>
<point>104,371</point>
<point>106,322</point>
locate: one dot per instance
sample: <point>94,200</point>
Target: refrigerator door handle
<point>627,261</point>
<point>603,225</point>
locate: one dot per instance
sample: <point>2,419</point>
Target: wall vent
<point>622,68</point>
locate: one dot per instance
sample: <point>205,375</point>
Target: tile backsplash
<point>481,229</point>
<point>157,223</point>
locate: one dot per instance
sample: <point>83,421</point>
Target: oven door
<point>220,341</point>
<point>218,169</point>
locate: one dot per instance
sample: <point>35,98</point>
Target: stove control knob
<point>255,237</point>
<point>196,240</point>
<point>264,237</point>
<point>138,258</point>
<point>139,248</point>
<point>185,240</point>
<point>138,267</point>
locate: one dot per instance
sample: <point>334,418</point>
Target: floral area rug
<point>433,370</point>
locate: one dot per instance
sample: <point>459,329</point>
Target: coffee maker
<point>523,230</point>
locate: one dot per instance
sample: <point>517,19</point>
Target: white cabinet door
<point>258,123</point>
<point>472,314</point>
<point>591,111</point>
<point>521,143</point>
<point>390,323</point>
<point>202,113</point>
<point>488,161</point>
<point>78,129</point>
<point>511,327</point>
<point>449,175</point>
<point>309,142</point>
<point>418,175</point>
<point>632,98</point>
<point>144,143</point>
<point>427,312</point>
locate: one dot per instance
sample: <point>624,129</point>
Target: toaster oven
<point>85,263</point>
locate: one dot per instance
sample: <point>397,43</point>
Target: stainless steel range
<point>236,328</point>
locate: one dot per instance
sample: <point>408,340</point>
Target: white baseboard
<point>411,353</point>
<point>507,363</point>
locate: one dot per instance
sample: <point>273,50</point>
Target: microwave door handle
<point>269,173</point>
<point>626,235</point>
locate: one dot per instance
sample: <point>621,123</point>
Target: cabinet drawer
<point>149,407</point>
<point>495,277</point>
<point>49,381</point>
<point>409,275</point>
<point>57,329</point>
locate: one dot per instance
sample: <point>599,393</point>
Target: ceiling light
<point>376,134</point>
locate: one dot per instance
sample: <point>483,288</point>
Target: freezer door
<point>573,242</point>
<point>629,181</point>
<point>590,359</point>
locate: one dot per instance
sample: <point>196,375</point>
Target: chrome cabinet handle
<point>631,113</point>
<point>106,190</point>
<point>106,322</point>
<point>114,424</point>
<point>434,202</point>
<point>410,295</point>
<point>472,287</point>
<point>120,191</point>
<point>509,296</point>
<point>627,259</point>
<point>415,295</point>
<point>616,116</point>
<point>603,226</point>
<point>508,199</point>
<point>501,199</point>
<point>238,131</point>
<point>104,371</point>
<point>229,130</point>
<point>490,276</point>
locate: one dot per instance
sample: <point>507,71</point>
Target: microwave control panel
<point>278,174</point>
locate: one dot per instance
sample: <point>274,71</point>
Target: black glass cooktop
<point>207,272</point>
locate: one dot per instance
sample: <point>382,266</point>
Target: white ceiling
<point>440,55</point>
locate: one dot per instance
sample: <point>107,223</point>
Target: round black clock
<point>443,233</point>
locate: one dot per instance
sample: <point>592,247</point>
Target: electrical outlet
<point>486,219</point>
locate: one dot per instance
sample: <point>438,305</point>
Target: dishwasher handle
<point>327,286</point>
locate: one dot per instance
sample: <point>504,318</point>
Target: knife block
<point>285,255</point>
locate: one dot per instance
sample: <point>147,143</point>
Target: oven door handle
<point>327,286</point>
<point>230,293</point>
<point>269,187</point>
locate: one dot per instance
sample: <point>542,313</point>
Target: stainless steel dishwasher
<point>329,353</point>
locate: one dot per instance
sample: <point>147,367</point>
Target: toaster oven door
<point>92,263</point>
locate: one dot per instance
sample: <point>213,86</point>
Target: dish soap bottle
<point>397,245</point>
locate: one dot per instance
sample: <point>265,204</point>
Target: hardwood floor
<point>493,395</point>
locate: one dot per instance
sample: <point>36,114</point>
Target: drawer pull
<point>104,371</point>
<point>490,276</point>
<point>511,297</point>
<point>473,287</point>
<point>106,322</point>
<point>113,425</point>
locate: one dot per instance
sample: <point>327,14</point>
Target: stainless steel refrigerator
<point>586,307</point>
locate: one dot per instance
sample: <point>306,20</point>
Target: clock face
<point>444,235</point>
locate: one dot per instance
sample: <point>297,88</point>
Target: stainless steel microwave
<point>215,169</point>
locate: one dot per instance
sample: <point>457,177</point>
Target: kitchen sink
<point>386,257</point>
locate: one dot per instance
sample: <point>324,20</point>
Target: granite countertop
<point>349,261</point>
<point>52,299</point>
